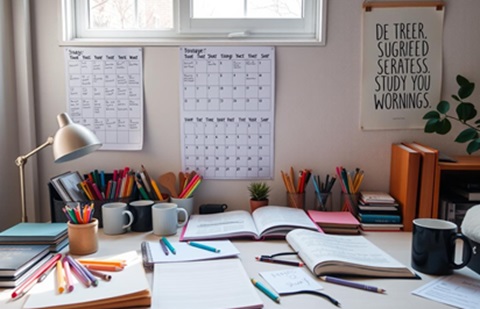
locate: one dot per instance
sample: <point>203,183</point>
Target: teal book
<point>34,232</point>
<point>375,218</point>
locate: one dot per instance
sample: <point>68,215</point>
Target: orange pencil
<point>119,263</point>
<point>103,267</point>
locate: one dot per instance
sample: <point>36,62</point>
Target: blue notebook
<point>29,231</point>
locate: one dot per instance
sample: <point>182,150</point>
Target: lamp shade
<point>72,140</point>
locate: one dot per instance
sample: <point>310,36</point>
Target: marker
<point>202,246</point>
<point>266,291</point>
<point>270,260</point>
<point>169,245</point>
<point>352,284</point>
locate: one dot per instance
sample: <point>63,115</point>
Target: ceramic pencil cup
<point>83,238</point>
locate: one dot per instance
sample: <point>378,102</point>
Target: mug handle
<point>130,218</point>
<point>467,251</point>
<point>186,216</point>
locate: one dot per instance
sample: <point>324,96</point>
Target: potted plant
<point>258,194</point>
<point>438,121</point>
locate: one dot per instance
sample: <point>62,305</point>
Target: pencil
<point>352,284</point>
<point>60,278</point>
<point>169,245</point>
<point>266,291</point>
<point>102,267</point>
<point>202,246</point>
<point>275,261</point>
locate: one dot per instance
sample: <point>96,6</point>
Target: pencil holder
<point>185,203</point>
<point>323,201</point>
<point>296,200</point>
<point>83,238</point>
<point>349,202</point>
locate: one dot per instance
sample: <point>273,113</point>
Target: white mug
<point>113,216</point>
<point>165,218</point>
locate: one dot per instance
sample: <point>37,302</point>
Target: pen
<point>37,276</point>
<point>284,262</point>
<point>352,284</point>
<point>266,291</point>
<point>101,275</point>
<point>164,247</point>
<point>169,245</point>
<point>202,246</point>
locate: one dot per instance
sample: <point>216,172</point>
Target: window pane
<point>130,14</point>
<point>247,8</point>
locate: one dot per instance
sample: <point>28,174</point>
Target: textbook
<point>264,222</point>
<point>343,255</point>
<point>29,232</point>
<point>16,259</point>
<point>335,222</point>
<point>18,279</point>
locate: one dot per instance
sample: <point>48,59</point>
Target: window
<point>189,21</point>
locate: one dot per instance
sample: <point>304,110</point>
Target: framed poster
<point>402,64</point>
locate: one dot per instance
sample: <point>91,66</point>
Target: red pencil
<point>21,290</point>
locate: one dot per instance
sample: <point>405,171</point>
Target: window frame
<point>190,31</point>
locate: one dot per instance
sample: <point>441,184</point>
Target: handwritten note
<point>290,280</point>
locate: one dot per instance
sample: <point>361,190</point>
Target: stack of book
<point>335,222</point>
<point>28,233</point>
<point>19,262</point>
<point>379,211</point>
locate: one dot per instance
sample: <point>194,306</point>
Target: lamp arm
<point>20,162</point>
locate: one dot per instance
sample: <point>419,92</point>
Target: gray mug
<point>114,217</point>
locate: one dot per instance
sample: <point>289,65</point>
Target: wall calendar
<point>227,111</point>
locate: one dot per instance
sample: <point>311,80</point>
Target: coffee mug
<point>142,215</point>
<point>433,246</point>
<point>165,218</point>
<point>114,217</point>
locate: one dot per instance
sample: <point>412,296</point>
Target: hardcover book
<point>34,232</point>
<point>16,259</point>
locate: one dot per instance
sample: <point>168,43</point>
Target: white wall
<point>317,105</point>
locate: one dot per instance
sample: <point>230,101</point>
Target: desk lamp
<point>71,141</point>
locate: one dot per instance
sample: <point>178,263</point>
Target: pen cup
<point>349,202</point>
<point>83,238</point>
<point>296,200</point>
<point>323,201</point>
<point>185,203</point>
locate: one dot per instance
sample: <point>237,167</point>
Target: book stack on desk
<point>379,211</point>
<point>19,262</point>
<point>335,222</point>
<point>28,233</point>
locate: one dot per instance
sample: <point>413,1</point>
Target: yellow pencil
<point>60,277</point>
<point>157,191</point>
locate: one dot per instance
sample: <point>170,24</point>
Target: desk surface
<point>398,294</point>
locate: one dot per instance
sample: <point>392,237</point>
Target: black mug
<point>142,215</point>
<point>433,246</point>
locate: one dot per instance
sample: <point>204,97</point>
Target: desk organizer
<point>56,205</point>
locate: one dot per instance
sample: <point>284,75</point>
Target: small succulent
<point>438,121</point>
<point>259,191</point>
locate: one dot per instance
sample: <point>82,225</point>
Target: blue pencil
<point>169,245</point>
<point>202,246</point>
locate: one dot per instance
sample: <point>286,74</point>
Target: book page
<point>204,284</point>
<point>280,218</point>
<point>315,248</point>
<point>186,252</point>
<point>220,225</point>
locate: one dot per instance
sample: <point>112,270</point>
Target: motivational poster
<point>402,66</point>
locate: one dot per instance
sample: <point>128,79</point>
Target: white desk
<point>398,294</point>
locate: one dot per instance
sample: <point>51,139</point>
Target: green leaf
<point>461,81</point>
<point>477,121</point>
<point>466,111</point>
<point>431,125</point>
<point>443,107</point>
<point>466,90</point>
<point>432,115</point>
<point>443,126</point>
<point>467,135</point>
<point>456,98</point>
<point>473,146</point>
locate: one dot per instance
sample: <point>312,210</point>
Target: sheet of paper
<point>203,285</point>
<point>455,290</point>
<point>290,280</point>
<point>185,252</point>
<point>105,93</point>
<point>227,111</point>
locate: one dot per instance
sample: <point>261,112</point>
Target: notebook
<point>203,285</point>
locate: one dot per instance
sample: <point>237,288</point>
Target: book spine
<point>379,218</point>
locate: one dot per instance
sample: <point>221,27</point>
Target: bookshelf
<point>464,164</point>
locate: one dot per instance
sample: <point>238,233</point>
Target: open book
<point>344,255</point>
<point>268,221</point>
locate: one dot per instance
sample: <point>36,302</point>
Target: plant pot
<point>254,204</point>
